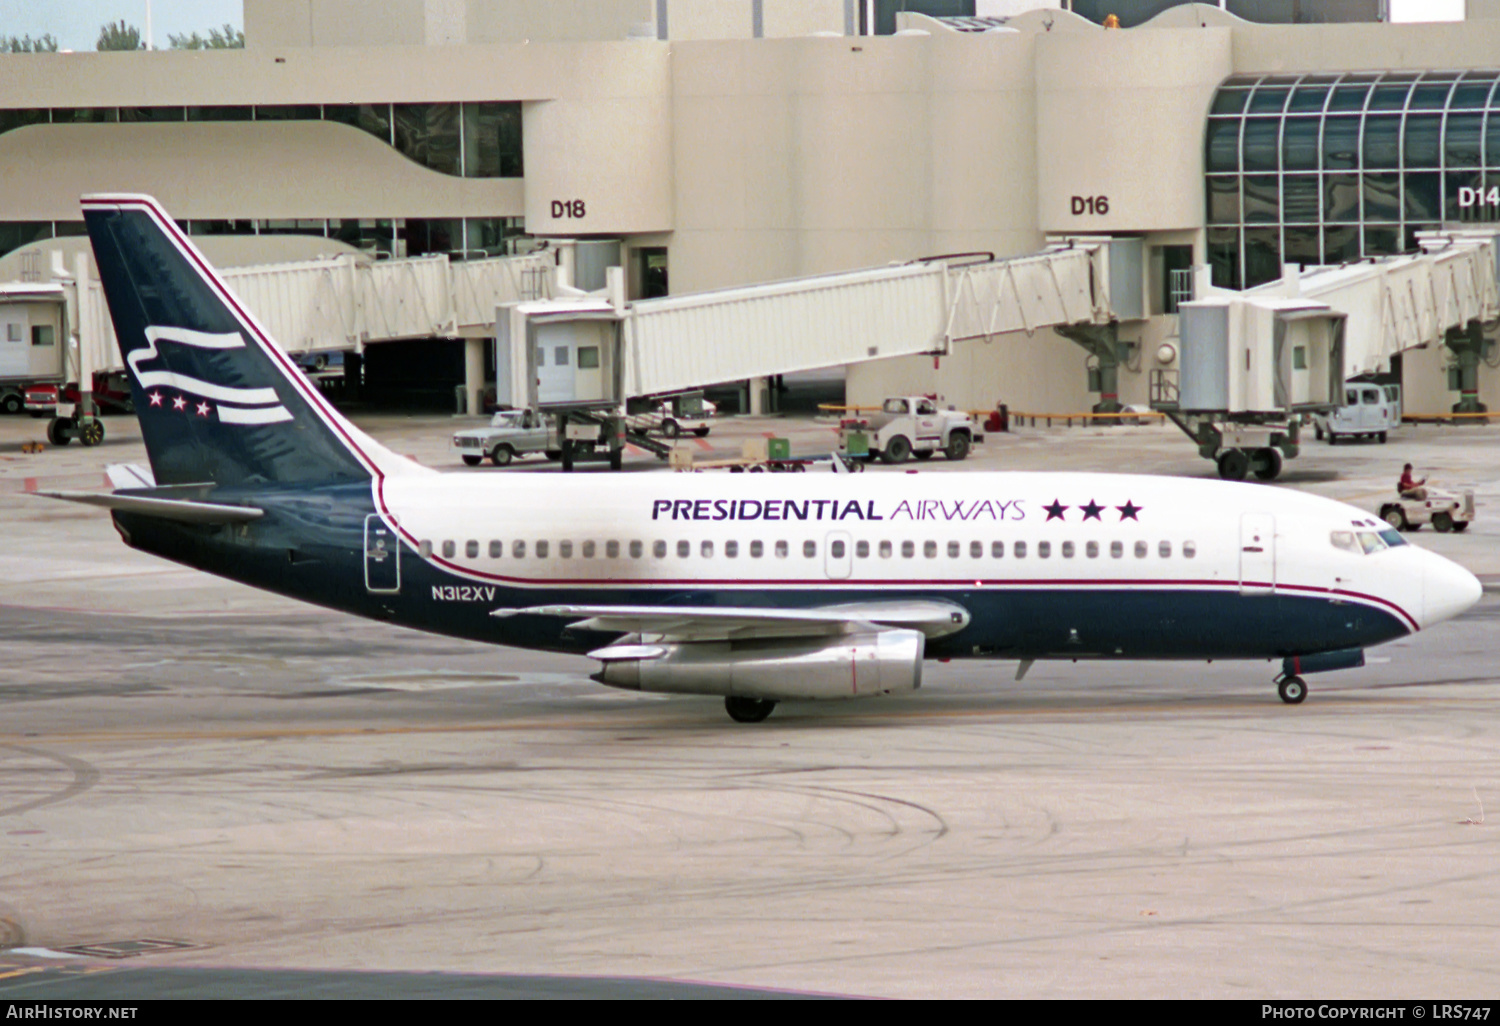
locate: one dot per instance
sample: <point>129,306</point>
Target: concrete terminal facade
<point>740,142</point>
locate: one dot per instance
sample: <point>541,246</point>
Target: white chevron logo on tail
<point>249,405</point>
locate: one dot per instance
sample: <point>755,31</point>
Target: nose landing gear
<point>1292,689</point>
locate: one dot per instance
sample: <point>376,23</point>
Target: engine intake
<point>850,666</point>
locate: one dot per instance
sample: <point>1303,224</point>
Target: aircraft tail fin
<point>218,400</point>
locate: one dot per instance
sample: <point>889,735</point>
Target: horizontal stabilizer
<point>708,623</point>
<point>168,509</point>
<point>129,475</point>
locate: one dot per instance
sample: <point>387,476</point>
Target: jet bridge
<point>1255,364</point>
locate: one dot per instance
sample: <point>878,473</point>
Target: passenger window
<point>1116,549</point>
<point>997,550</point>
<point>929,549</point>
<point>1091,549</point>
<point>449,549</point>
<point>1164,550</point>
<point>518,549</point>
<point>637,548</point>
<point>1018,550</point>
<point>1189,549</point>
<point>836,549</point>
<point>659,549</point>
<point>611,550</point>
<point>885,550</point>
<point>684,549</point>
<point>862,549</point>
<point>1141,548</point>
<point>782,549</point>
<point>809,549</point>
<point>757,549</point>
<point>588,550</point>
<point>424,549</point>
<point>541,550</point>
<point>565,549</point>
<point>1043,550</point>
<point>471,549</point>
<point>560,356</point>
<point>1067,550</point>
<point>908,549</point>
<point>976,550</point>
<point>706,550</point>
<point>497,549</point>
<point>954,550</point>
<point>732,549</point>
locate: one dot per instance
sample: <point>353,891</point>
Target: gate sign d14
<point>1489,198</point>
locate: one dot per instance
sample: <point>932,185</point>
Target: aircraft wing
<point>727,623</point>
<point>168,509</point>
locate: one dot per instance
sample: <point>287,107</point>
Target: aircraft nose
<point>1447,590</point>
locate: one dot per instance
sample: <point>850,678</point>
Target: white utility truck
<point>908,426</point>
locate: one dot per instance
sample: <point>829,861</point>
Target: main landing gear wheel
<point>748,710</point>
<point>90,432</point>
<point>1266,464</point>
<point>1292,690</point>
<point>60,430</point>
<point>1233,464</point>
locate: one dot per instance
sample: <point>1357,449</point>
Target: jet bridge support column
<point>1468,346</point>
<point>1102,342</point>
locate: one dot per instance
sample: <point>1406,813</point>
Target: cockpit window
<point>1345,540</point>
<point>1392,537</point>
<point>1370,542</point>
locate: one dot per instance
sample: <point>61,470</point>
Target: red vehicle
<point>111,395</point>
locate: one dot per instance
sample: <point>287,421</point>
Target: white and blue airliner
<point>757,588</point>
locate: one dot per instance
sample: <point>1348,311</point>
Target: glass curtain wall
<point>1324,169</point>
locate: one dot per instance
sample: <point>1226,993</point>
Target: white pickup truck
<point>510,433</point>
<point>908,426</point>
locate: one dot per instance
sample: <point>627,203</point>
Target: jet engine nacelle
<point>850,666</point>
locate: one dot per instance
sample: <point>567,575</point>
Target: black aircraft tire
<point>1233,464</point>
<point>1267,464</point>
<point>748,710</point>
<point>897,450</point>
<point>90,432</point>
<point>1442,523</point>
<point>1292,690</point>
<point>59,431</point>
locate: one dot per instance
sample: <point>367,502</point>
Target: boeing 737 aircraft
<point>758,588</point>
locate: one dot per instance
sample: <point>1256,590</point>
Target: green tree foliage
<point>45,43</point>
<point>227,38</point>
<point>119,36</point>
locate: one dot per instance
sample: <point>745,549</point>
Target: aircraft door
<point>838,557</point>
<point>382,556</point>
<point>1257,554</point>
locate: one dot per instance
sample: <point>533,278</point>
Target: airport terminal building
<point>726,142</point>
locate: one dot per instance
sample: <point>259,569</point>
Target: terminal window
<point>1329,168</point>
